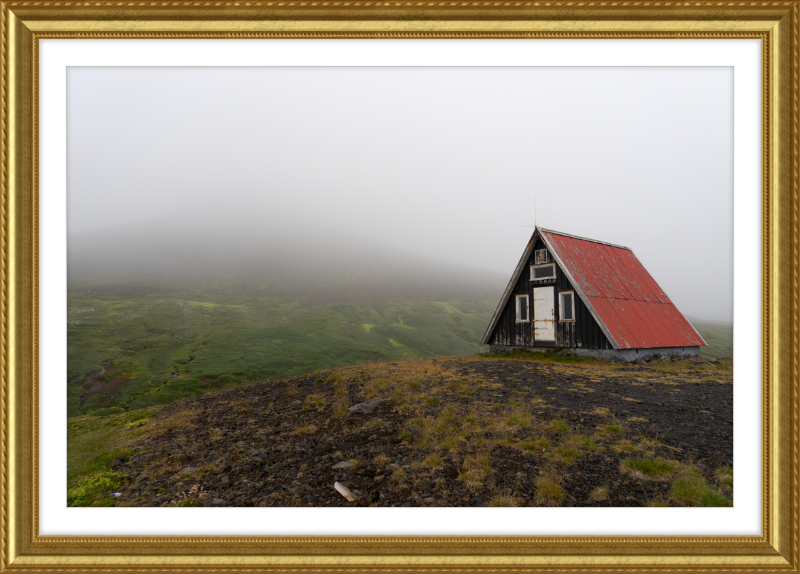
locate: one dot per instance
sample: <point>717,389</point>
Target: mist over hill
<point>263,257</point>
<point>184,304</point>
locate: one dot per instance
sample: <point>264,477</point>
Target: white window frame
<point>536,256</point>
<point>527,308</point>
<point>551,278</point>
<point>561,306</point>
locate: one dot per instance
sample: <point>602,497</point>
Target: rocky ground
<point>472,431</point>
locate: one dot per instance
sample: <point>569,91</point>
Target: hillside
<point>175,307</point>
<point>718,336</point>
<point>134,352</point>
<point>130,352</point>
<point>533,430</point>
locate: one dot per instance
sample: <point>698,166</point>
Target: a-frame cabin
<point>590,296</point>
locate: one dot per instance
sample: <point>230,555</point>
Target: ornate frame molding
<point>23,24</point>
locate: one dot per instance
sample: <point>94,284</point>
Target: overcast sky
<point>445,162</point>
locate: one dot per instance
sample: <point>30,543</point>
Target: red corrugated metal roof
<point>632,308</point>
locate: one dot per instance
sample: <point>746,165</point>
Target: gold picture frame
<point>774,23</point>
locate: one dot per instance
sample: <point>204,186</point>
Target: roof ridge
<point>554,232</point>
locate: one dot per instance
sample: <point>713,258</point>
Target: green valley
<point>128,352</point>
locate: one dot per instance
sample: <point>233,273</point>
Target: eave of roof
<point>542,229</point>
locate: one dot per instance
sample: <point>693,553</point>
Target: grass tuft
<point>624,446</point>
<point>725,476</point>
<point>599,493</point>
<point>92,490</point>
<point>549,489</point>
<point>503,500</point>
<point>691,489</point>
<point>557,426</point>
<point>317,401</point>
<point>650,467</point>
<point>535,445</point>
<point>474,470</point>
<point>434,461</point>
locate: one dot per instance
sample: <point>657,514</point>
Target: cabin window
<point>541,256</point>
<point>566,306</point>
<point>543,272</point>
<point>522,309</point>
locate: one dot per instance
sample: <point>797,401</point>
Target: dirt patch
<point>448,432</point>
<point>109,385</point>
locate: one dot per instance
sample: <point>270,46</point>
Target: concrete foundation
<point>512,348</point>
<point>606,354</point>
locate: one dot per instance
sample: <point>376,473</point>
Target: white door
<point>543,314</point>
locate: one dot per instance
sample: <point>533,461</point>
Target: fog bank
<point>182,170</point>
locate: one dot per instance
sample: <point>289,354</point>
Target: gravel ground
<point>472,431</point>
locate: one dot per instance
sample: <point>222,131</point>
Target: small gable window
<point>541,256</point>
<point>539,272</point>
<point>567,306</point>
<point>522,309</point>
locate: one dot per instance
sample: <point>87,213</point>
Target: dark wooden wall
<point>583,332</point>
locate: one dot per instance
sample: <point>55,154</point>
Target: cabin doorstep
<point>594,298</point>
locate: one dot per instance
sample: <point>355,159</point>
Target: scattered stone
<point>265,464</point>
<point>122,457</point>
<point>114,463</point>
<point>187,470</point>
<point>344,491</point>
<point>364,408</point>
